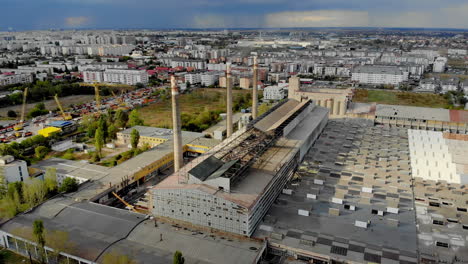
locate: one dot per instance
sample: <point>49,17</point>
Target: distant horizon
<point>241,28</point>
<point>27,15</point>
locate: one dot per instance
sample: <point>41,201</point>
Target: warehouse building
<point>423,118</point>
<point>231,187</point>
<point>152,136</point>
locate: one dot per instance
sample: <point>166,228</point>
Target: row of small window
<point>207,214</point>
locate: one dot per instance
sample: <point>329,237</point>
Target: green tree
<point>38,232</point>
<point>38,110</point>
<point>34,192</point>
<point>12,114</point>
<point>120,118</point>
<point>102,124</point>
<point>112,131</point>
<point>59,241</point>
<point>41,152</point>
<point>134,138</point>
<point>69,185</point>
<point>134,119</point>
<point>99,141</point>
<point>50,179</point>
<point>178,258</point>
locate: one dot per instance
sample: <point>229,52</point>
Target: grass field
<point>193,104</point>
<point>400,98</point>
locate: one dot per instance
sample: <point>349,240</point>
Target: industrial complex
<point>315,179</point>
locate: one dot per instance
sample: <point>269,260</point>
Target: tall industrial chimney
<point>176,124</point>
<point>228,101</point>
<point>254,86</point>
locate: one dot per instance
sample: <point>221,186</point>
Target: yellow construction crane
<point>66,116</point>
<point>98,97</point>
<point>131,207</point>
<point>20,126</point>
<point>96,90</point>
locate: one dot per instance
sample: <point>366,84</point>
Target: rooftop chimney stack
<point>254,86</point>
<point>176,124</point>
<point>229,100</point>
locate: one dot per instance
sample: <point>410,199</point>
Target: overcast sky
<point>47,14</point>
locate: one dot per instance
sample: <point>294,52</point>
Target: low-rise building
<point>13,170</point>
<point>276,92</point>
<point>153,136</point>
<point>450,84</point>
<point>7,79</point>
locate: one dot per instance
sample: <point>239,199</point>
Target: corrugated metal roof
<point>459,116</point>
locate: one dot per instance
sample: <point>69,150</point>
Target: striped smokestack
<point>254,86</point>
<point>176,126</point>
<point>228,101</point>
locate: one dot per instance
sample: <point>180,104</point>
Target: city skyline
<point>79,14</point>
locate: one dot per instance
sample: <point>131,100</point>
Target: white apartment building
<point>126,76</point>
<point>275,93</point>
<point>438,156</point>
<point>103,66</point>
<point>379,75</point>
<point>91,76</point>
<point>439,64</point>
<point>450,84</point>
<point>209,78</point>
<point>216,66</point>
<point>6,79</point>
<point>457,52</point>
<point>13,170</point>
<point>193,78</point>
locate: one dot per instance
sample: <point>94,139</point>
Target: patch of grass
<point>9,257</point>
<point>193,106</point>
<point>401,98</point>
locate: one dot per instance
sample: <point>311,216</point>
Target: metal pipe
<point>229,101</point>
<point>176,126</point>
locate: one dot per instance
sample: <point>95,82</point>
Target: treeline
<point>26,149</point>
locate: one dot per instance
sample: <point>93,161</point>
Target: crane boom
<point>98,97</point>
<point>19,126</point>
<point>65,116</point>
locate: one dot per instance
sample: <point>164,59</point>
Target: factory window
<point>461,209</point>
<point>465,227</point>
<point>437,222</point>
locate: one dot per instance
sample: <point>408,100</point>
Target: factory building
<point>230,188</point>
<point>336,100</point>
<point>423,118</point>
<point>153,136</point>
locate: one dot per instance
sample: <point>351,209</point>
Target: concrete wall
<point>200,208</point>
